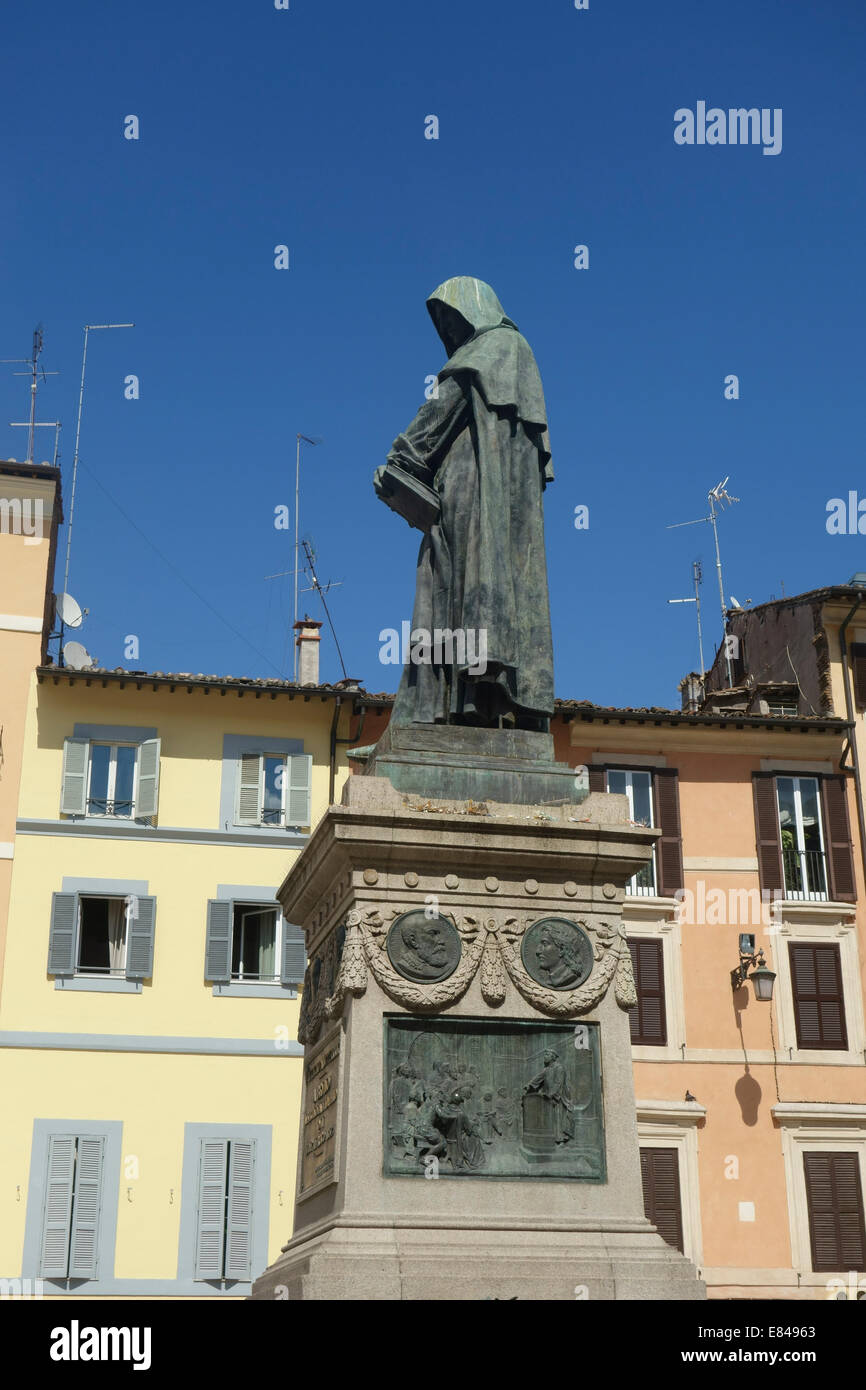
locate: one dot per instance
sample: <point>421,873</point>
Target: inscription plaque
<point>319,1130</point>
<point>492,1098</point>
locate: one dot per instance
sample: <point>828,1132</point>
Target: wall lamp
<point>762,977</point>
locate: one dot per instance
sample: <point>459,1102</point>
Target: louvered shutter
<point>147,792</point>
<point>211,1221</point>
<point>834,1198</point>
<point>57,1212</point>
<point>62,934</point>
<point>73,793</point>
<point>837,832</point>
<point>858,662</point>
<point>768,839</point>
<point>647,1019</point>
<point>249,810</point>
<point>218,949</point>
<point>669,849</point>
<point>298,797</point>
<point>819,1007</point>
<point>660,1176</point>
<point>140,932</point>
<point>239,1225</point>
<point>597,779</point>
<point>86,1207</point>
<point>293,961</point>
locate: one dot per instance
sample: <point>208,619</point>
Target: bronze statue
<point>470,471</point>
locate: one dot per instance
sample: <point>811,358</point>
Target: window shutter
<point>73,794</point>
<point>819,1006</point>
<point>210,1227</point>
<point>769,841</point>
<point>239,1225</point>
<point>218,950</point>
<point>293,961</point>
<point>858,662</point>
<point>147,792</point>
<point>139,940</point>
<point>84,1246</point>
<point>838,838</point>
<point>834,1198</point>
<point>597,779</point>
<point>62,934</point>
<point>300,769</point>
<point>57,1211</point>
<point>647,1020</point>
<point>249,789</point>
<point>660,1175</point>
<point>667,817</point>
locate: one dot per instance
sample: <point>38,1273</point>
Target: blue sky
<point>306,127</point>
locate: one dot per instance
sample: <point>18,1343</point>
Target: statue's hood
<point>463,306</point>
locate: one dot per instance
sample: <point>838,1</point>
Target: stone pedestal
<point>468,1126</point>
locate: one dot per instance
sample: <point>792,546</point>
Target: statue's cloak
<point>481,443</point>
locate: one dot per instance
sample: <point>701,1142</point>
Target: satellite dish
<point>734,603</point>
<point>77,656</point>
<point>67,610</point>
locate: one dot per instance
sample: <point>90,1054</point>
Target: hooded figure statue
<point>480,445</point>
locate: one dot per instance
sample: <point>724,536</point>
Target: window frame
<point>632,889</point>
<point>92,972</point>
<point>112,780</point>
<point>665,1124</point>
<point>803,895</point>
<point>110,1131</point>
<point>642,921</point>
<point>250,907</point>
<point>108,888</point>
<point>194,1135</point>
<point>807,924</point>
<point>815,1127</point>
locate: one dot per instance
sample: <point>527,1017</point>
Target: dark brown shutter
<point>835,1201</point>
<point>669,850</point>
<point>769,841</point>
<point>597,779</point>
<point>837,836</point>
<point>858,663</point>
<point>648,1019</point>
<point>819,1005</point>
<point>660,1175</point>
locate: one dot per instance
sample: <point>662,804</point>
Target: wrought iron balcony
<point>805,875</point>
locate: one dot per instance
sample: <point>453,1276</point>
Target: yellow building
<point>148,1015</point>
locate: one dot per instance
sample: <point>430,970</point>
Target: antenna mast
<point>34,373</point>
<point>698,578</point>
<point>719,495</point>
<point>307,440</point>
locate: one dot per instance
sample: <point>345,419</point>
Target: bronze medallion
<point>557,953</point>
<point>424,948</point>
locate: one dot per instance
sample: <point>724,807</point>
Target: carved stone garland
<point>494,946</point>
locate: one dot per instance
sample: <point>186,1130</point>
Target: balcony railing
<point>643,884</point>
<point>805,875</point>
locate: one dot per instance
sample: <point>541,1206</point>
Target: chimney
<point>308,640</point>
<point>691,688</point>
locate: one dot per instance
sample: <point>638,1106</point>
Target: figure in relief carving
<point>552,1084</point>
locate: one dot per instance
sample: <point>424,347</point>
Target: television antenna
<point>698,578</point>
<point>314,440</point>
<point>717,496</point>
<point>315,587</point>
<point>35,371</point>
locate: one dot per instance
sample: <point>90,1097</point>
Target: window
<point>252,943</point>
<point>660,1177</point>
<point>637,786</point>
<point>804,837</point>
<point>274,789</point>
<point>255,944</point>
<point>71,1213</point>
<point>819,1007</point>
<point>834,1199</point>
<point>224,1218</point>
<point>101,936</point>
<point>647,1019</point>
<point>803,858</point>
<point>110,779</point>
